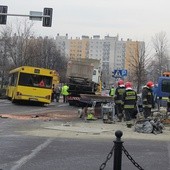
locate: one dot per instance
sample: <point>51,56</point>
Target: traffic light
<point>47,21</point>
<point>3,18</point>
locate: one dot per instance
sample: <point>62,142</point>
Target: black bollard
<point>118,151</point>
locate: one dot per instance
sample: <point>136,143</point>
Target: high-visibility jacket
<point>112,91</point>
<point>90,116</point>
<point>129,99</point>
<point>64,90</point>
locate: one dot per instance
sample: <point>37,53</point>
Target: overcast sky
<point>134,19</point>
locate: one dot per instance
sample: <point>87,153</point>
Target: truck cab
<point>163,90</point>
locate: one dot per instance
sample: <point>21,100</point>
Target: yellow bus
<point>30,84</point>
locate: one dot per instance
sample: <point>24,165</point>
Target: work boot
<point>119,117</point>
<point>129,124</point>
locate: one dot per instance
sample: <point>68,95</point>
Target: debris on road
<point>55,115</point>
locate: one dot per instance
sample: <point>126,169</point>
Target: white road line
<point>26,158</point>
<point>63,105</point>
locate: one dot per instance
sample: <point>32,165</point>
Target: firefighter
<point>129,103</point>
<point>147,99</point>
<point>118,99</point>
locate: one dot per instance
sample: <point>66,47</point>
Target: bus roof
<point>33,70</point>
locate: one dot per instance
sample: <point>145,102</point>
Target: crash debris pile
<point>154,124</point>
<point>149,126</point>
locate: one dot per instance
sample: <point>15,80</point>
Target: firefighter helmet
<point>120,82</point>
<point>150,84</point>
<point>128,85</point>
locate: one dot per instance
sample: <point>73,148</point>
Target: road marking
<point>26,158</point>
<point>62,105</point>
<point>4,102</point>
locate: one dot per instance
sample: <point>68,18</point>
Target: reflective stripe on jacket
<point>129,99</point>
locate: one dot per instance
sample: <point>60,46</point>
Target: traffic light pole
<point>21,15</point>
<point>46,15</point>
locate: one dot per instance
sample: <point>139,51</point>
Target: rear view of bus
<point>30,84</point>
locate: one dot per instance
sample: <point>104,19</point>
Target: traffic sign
<point>124,73</point>
<point>119,73</point>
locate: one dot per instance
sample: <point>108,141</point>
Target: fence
<point>117,159</point>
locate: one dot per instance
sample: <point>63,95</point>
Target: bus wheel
<point>13,101</point>
<point>9,98</point>
<point>41,104</point>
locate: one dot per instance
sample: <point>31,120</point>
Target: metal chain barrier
<point>103,165</point>
<point>131,159</point>
<point>117,149</point>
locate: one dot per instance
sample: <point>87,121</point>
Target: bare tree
<point>4,55</point>
<point>160,45</point>
<point>48,56</point>
<point>22,48</point>
<point>137,64</point>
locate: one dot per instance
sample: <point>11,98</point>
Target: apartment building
<point>79,48</point>
<point>119,59</point>
<point>95,47</point>
<point>113,53</point>
<point>109,45</point>
<point>133,52</point>
<point>62,44</point>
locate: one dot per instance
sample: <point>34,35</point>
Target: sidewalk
<point>98,129</point>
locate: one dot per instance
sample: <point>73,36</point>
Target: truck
<point>83,77</point>
<point>162,91</point>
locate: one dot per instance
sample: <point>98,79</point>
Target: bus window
<point>13,79</point>
<point>34,80</point>
<point>94,72</point>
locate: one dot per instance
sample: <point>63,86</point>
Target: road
<point>28,144</point>
<point>9,108</point>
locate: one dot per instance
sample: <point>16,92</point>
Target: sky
<point>138,20</point>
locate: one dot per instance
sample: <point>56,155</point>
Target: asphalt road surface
<point>27,144</point>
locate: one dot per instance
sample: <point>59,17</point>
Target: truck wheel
<point>77,104</point>
<point>71,104</point>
